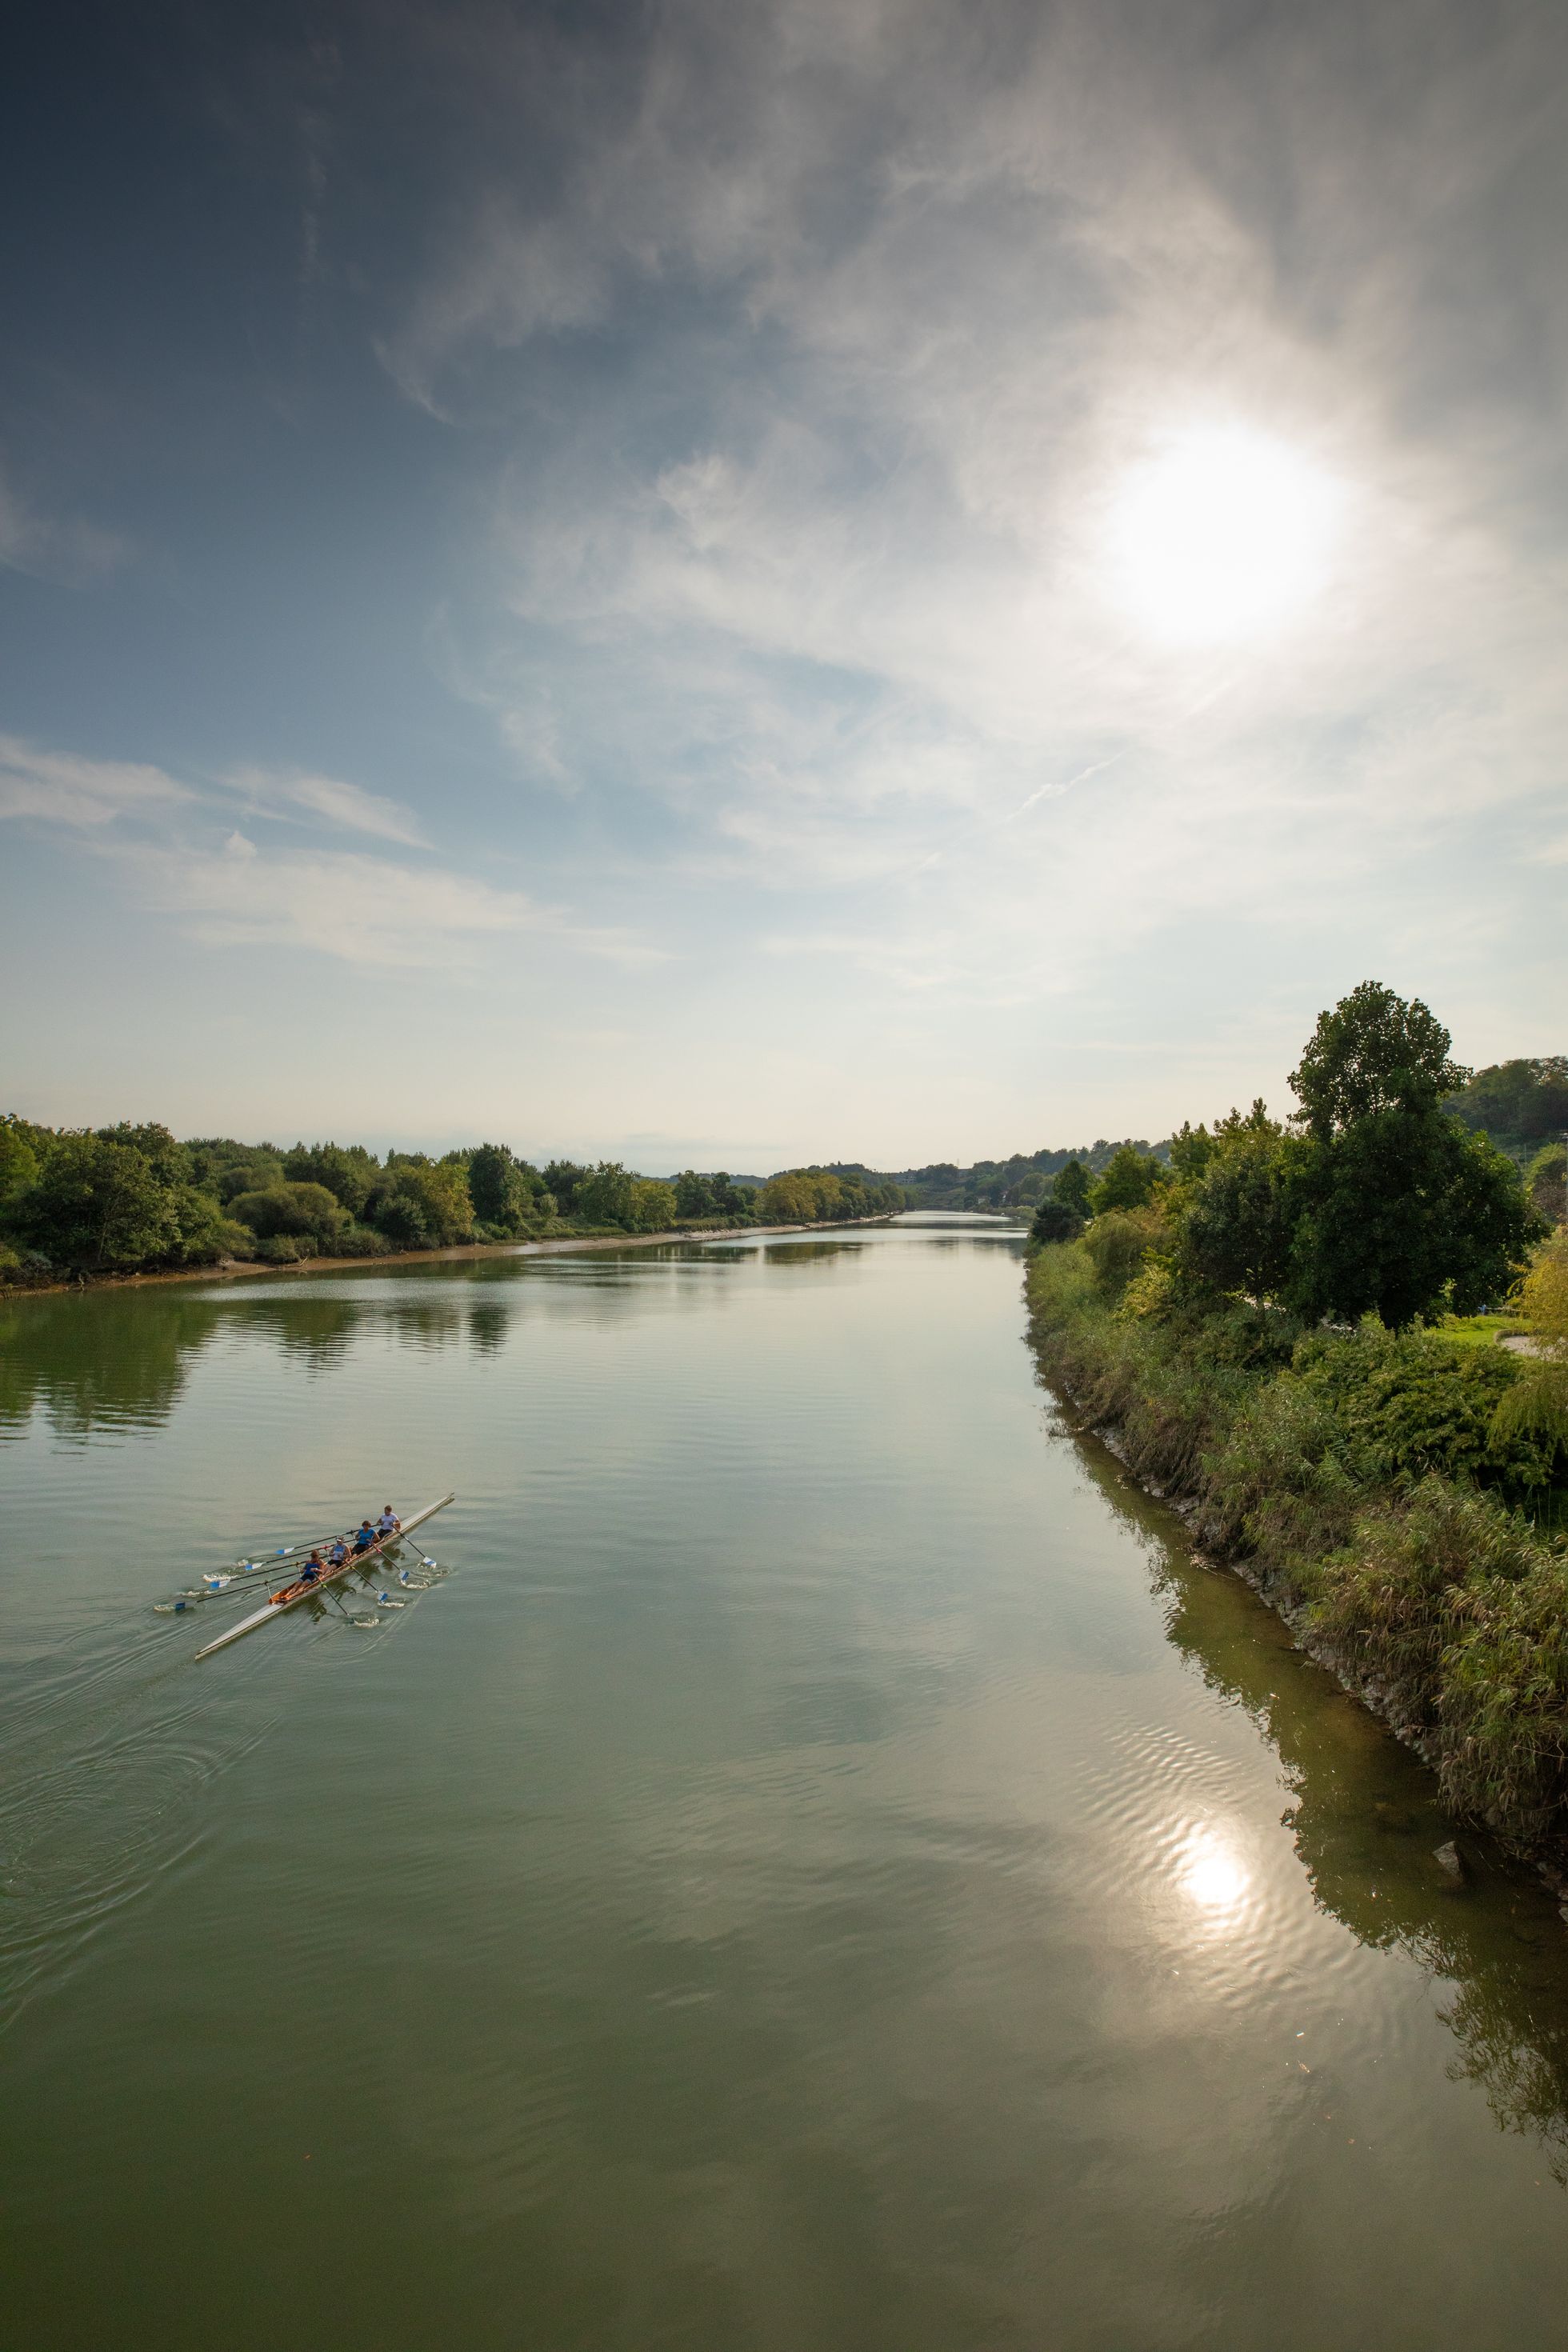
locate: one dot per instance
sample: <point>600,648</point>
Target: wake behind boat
<point>328,1574</point>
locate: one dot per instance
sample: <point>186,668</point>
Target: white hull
<point>281,1608</point>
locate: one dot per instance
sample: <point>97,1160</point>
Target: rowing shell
<point>290,1593</point>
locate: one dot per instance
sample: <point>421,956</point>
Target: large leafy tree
<point>1395,1208</point>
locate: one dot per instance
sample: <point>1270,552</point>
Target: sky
<point>739,585</point>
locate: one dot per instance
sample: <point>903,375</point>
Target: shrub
<point>280,1249</point>
<point>1418,1403</point>
<point>1056,1221</point>
<point>297,1209</point>
<point>1117,1243</point>
<point>360,1240</point>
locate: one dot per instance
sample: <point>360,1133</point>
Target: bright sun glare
<point>1224,534</point>
<point>1213,1876</point>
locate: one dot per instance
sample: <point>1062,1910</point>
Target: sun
<point>1221,534</point>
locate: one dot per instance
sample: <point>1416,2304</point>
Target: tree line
<point>132,1198</point>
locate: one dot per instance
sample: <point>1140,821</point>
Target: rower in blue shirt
<point>339,1553</point>
<point>313,1570</point>
<point>365,1538</point>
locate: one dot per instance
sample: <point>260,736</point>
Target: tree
<point>789,1199</point>
<point>293,1209</point>
<point>1398,1210</point>
<point>1056,1221</point>
<point>562,1179</point>
<point>1374,1053</point>
<point>1236,1224</point>
<point>1520,1102</point>
<point>1129,1182</point>
<point>499,1186</point>
<point>1072,1186</point>
<point>653,1209</point>
<point>98,1205</point>
<point>1545,1180</point>
<point>605,1195</point>
<point>419,1206</point>
<point>347,1171</point>
<point>21,1146</point>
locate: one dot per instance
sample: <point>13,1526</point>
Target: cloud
<point>64,788</point>
<point>358,909</point>
<point>347,808</point>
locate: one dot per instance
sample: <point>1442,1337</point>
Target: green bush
<point>281,1249</point>
<point>1419,1403</point>
<point>360,1240</point>
<point>291,1209</point>
<point>1117,1243</point>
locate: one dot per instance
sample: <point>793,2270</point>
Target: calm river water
<point>823,1869</point>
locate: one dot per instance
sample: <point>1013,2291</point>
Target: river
<point>815,1865</point>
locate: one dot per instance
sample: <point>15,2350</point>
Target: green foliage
<point>698,1199</point>
<point>419,1205</point>
<point>605,1195</point>
<point>1056,1221</point>
<point>348,1171</point>
<point>1544,1183</point>
<point>653,1207</point>
<point>1415,1403</point>
<point>294,1209</point>
<point>1373,1053</point>
<point>21,1147</point>
<point>98,1206</point>
<point>1537,1403</point>
<point>283,1249</point>
<point>506,1191</point>
<point>1402,1212</point>
<point>1518,1103</point>
<point>222,1166</point>
<point>1071,1186</point>
<point>1235,1228</point>
<point>562,1178</point>
<point>1117,1244</point>
<point>1129,1182</point>
<point>360,1240</point>
<point>169,1161</point>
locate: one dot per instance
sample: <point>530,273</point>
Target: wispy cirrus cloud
<point>65,788</point>
<point>362,909</point>
<point>344,807</point>
<point>226,890</point>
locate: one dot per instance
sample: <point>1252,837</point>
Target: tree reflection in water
<point>1366,1823</point>
<point>98,1362</point>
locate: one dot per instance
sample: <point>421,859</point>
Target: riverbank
<point>1351,1480</point>
<point>237,1269</point>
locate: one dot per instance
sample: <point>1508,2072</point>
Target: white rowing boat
<point>290,1593</point>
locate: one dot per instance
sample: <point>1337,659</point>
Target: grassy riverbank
<point>1354,1477</point>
